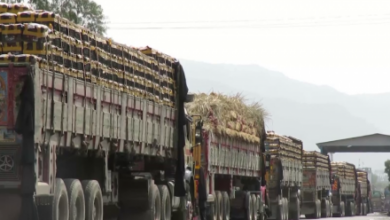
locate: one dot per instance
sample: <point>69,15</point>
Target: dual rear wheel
<point>75,200</point>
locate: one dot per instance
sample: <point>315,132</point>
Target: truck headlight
<point>330,194</point>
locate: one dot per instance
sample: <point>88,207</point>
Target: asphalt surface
<point>373,216</point>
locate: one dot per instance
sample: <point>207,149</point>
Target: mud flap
<point>44,206</point>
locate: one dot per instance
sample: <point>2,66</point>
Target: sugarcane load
<point>90,123</point>
<point>232,135</point>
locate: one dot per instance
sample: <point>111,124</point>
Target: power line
<point>254,26</point>
<point>311,18</point>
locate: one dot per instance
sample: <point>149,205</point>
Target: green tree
<point>83,12</point>
<point>387,168</point>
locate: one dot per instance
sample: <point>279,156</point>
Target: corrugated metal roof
<point>367,143</point>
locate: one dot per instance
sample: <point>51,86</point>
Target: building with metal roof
<point>368,143</point>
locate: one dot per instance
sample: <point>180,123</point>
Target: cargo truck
<point>284,175</point>
<point>377,201</point>
<point>232,138</point>
<point>89,128</point>
<point>364,194</point>
<point>316,186</point>
<point>344,189</point>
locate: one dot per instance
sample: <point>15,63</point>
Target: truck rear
<point>89,128</point>
<point>231,155</point>
<point>378,204</point>
<point>284,175</point>
<point>344,189</point>
<point>365,190</point>
<point>316,185</point>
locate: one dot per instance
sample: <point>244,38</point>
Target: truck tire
<point>296,210</point>
<point>76,199</point>
<point>93,200</point>
<point>166,203</point>
<point>286,209</point>
<point>364,209</point>
<point>328,210</point>
<point>324,210</point>
<point>281,212</point>
<point>248,207</point>
<point>220,208</point>
<point>254,207</point>
<point>318,208</point>
<point>226,206</point>
<point>215,207</point>
<point>60,201</point>
<point>342,206</point>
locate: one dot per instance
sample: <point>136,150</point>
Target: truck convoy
<point>91,129</point>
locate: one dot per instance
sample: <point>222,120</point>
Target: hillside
<point>309,112</point>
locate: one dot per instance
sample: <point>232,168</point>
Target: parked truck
<point>284,175</point>
<point>344,189</point>
<point>363,206</point>
<point>232,138</point>
<point>378,201</point>
<point>316,188</point>
<point>91,129</point>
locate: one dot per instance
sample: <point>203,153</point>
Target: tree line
<point>86,13</point>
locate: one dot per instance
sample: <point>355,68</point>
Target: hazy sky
<point>312,41</point>
<point>343,44</point>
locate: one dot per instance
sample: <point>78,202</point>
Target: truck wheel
<point>248,206</point>
<point>215,207</point>
<point>220,208</point>
<point>364,209</point>
<point>296,212</point>
<point>324,210</point>
<point>166,205</point>
<point>318,207</point>
<point>328,210</point>
<point>61,201</point>
<point>281,211</point>
<point>342,206</point>
<point>93,200</point>
<point>254,207</point>
<point>286,209</point>
<point>76,199</point>
<point>226,206</point>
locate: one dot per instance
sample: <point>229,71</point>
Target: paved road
<point>374,216</point>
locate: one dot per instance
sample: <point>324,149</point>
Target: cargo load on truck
<point>316,185</point>
<point>232,135</point>
<point>284,174</point>
<point>87,114</point>
<point>362,179</point>
<point>346,191</point>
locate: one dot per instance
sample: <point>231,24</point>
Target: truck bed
<point>233,157</point>
<point>71,109</point>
